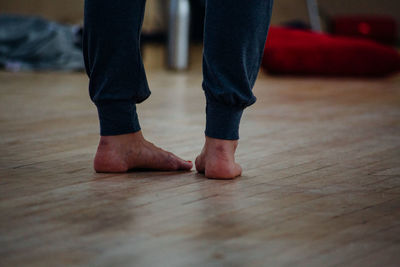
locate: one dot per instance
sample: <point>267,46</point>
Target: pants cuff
<point>222,121</point>
<point>117,117</point>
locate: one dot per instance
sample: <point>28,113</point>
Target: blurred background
<point>284,10</point>
<point>368,19</point>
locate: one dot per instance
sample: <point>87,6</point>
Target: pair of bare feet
<point>121,153</point>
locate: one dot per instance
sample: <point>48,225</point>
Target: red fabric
<point>290,51</point>
<point>379,28</point>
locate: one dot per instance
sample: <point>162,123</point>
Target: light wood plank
<point>321,181</point>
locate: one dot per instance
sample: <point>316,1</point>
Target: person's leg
<point>117,83</point>
<point>234,37</point>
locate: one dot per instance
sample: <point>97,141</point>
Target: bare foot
<point>217,159</point>
<point>120,153</point>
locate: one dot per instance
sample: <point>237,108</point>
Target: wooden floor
<point>321,181</point>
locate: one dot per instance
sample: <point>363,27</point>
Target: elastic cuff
<point>222,121</point>
<point>117,117</point>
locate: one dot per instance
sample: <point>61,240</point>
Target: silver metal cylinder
<point>313,14</point>
<point>178,34</point>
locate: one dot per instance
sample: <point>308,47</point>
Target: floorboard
<point>320,187</point>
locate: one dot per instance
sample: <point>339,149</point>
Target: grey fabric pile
<point>33,43</point>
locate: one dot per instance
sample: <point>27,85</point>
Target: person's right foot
<point>120,153</point>
<point>217,159</point>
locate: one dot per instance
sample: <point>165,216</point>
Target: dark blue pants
<point>234,36</point>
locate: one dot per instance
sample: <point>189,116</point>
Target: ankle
<point>112,140</point>
<point>221,146</point>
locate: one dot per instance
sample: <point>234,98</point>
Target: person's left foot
<point>120,153</point>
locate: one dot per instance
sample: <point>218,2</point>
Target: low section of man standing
<point>235,32</point>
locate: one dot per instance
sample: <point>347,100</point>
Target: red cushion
<point>291,51</point>
<point>379,28</point>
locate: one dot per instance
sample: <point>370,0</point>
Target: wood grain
<point>321,181</point>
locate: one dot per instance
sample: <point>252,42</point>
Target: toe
<point>180,164</point>
<point>183,164</point>
<point>186,165</point>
